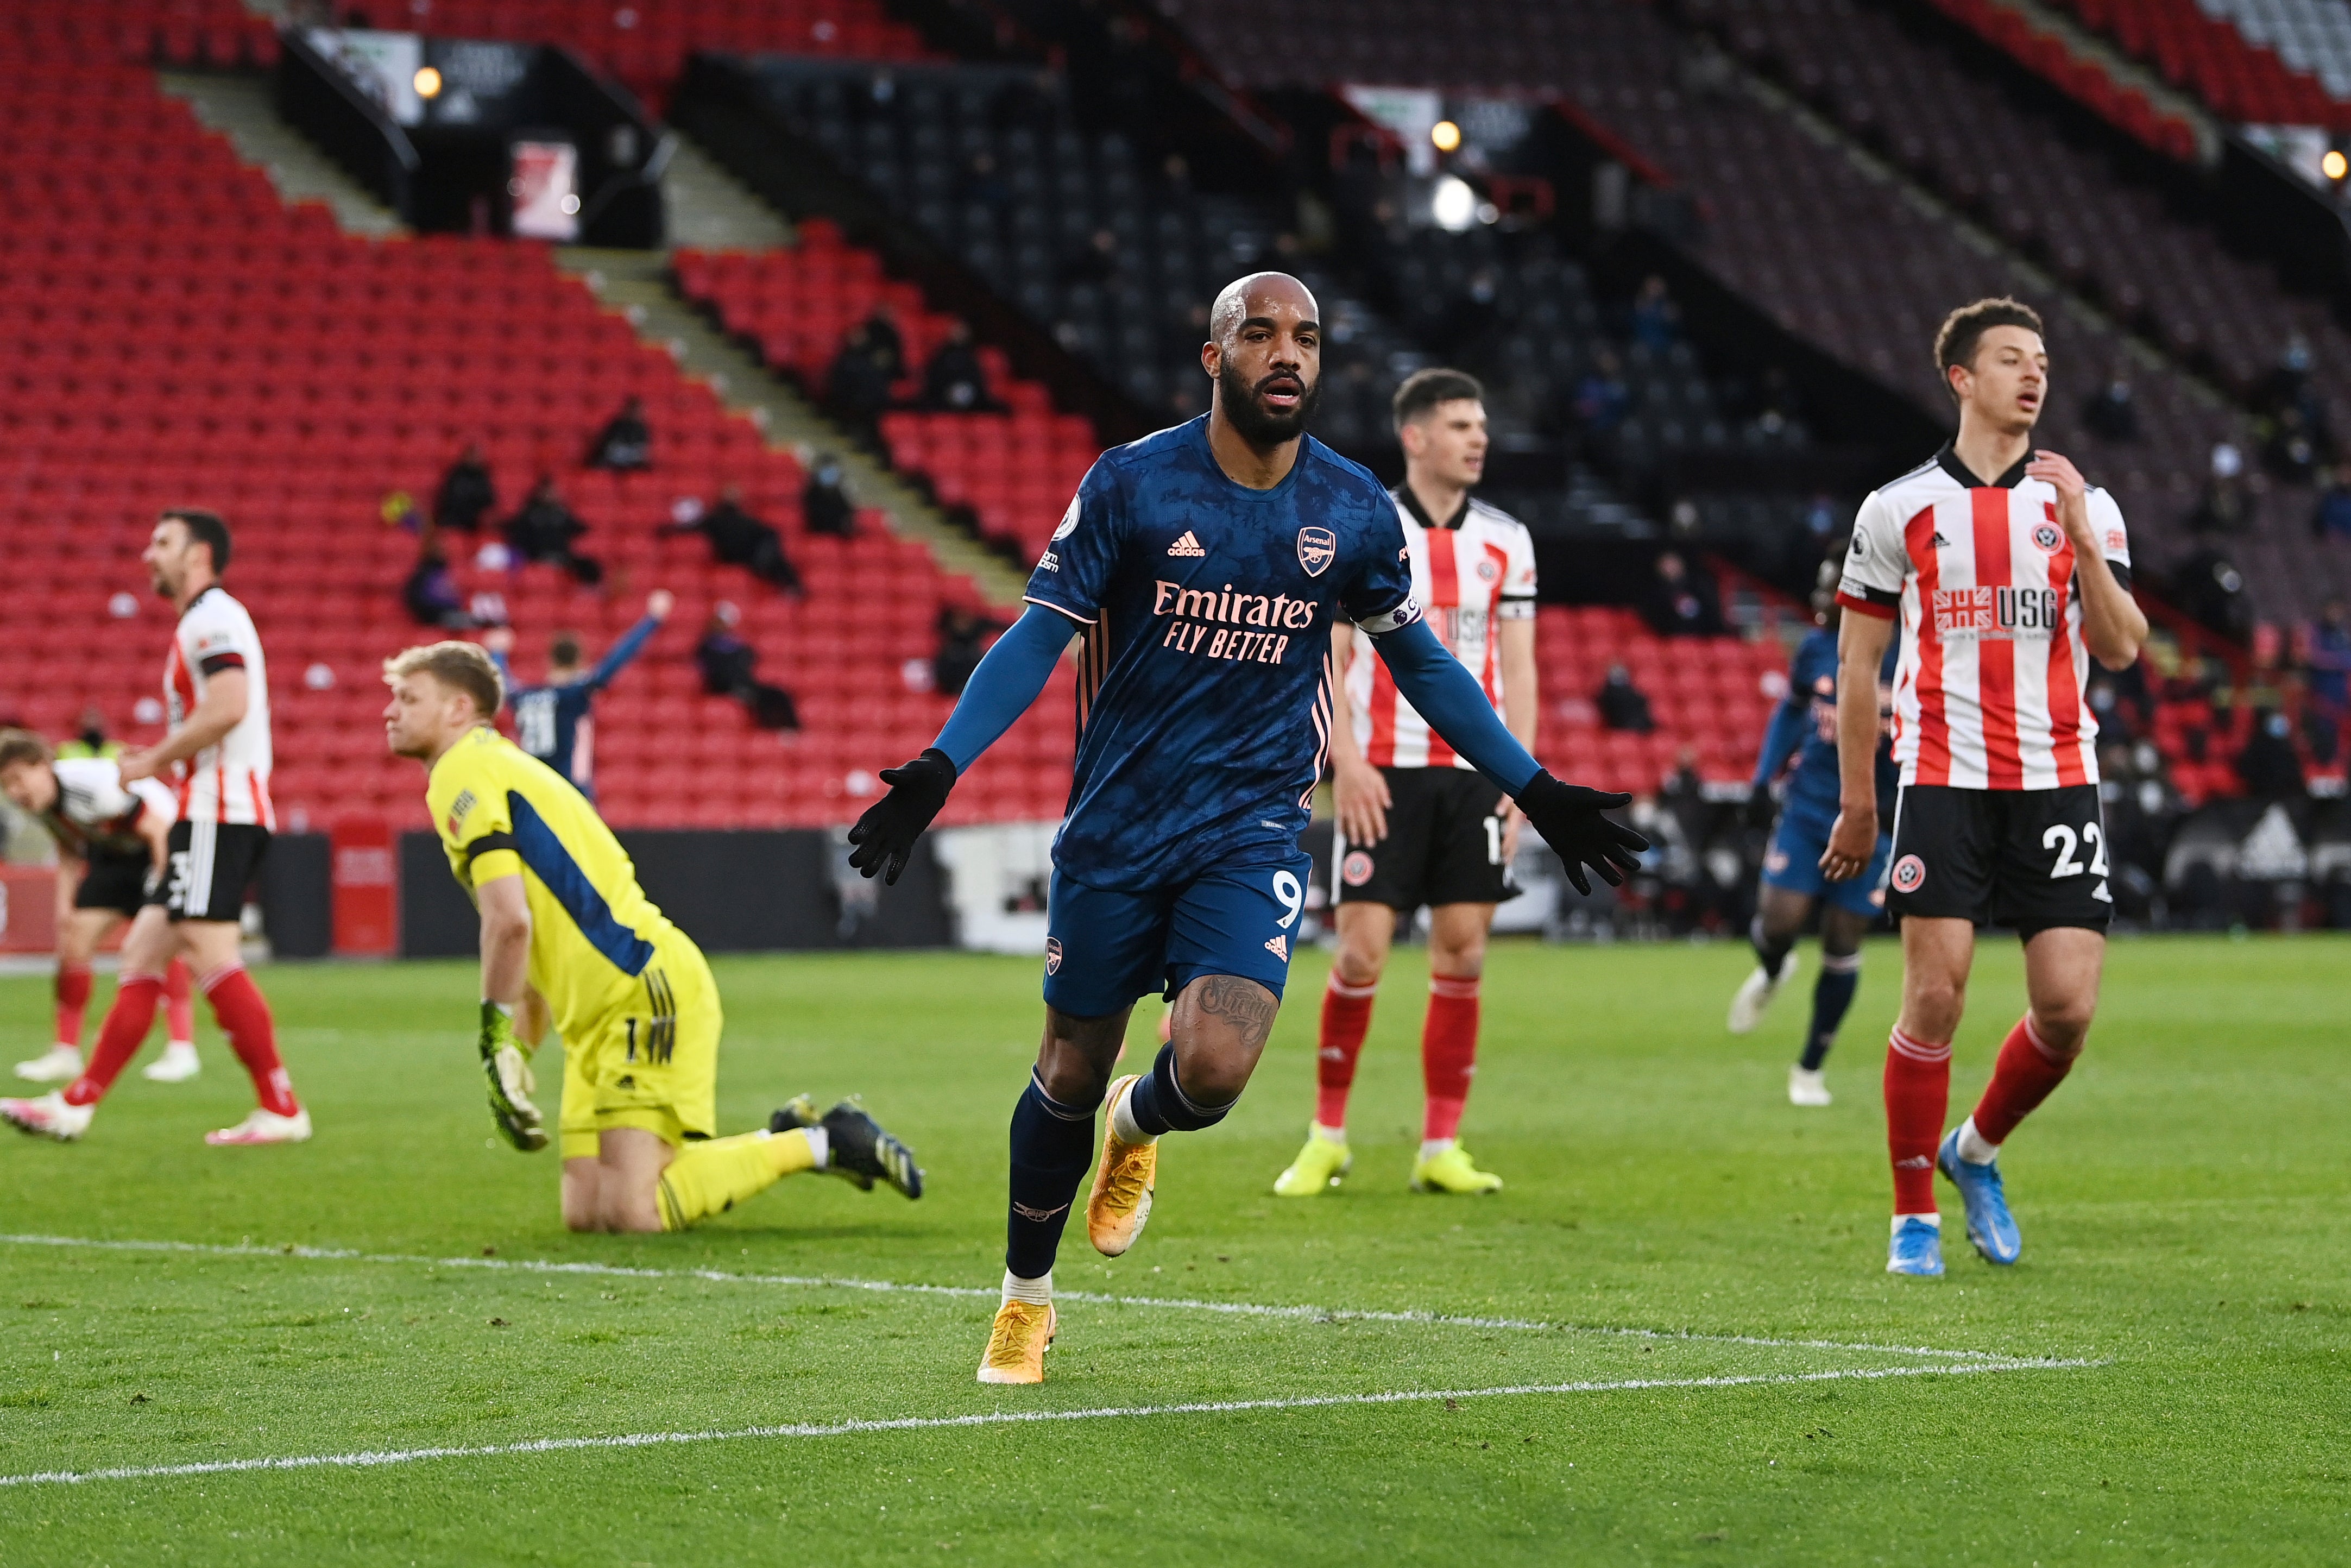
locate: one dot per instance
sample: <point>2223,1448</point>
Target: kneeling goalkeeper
<point>564,919</point>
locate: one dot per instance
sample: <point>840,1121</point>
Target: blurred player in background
<point>216,691</point>
<point>553,722</point>
<point>563,919</point>
<point>1805,726</point>
<point>1417,823</point>
<point>1204,565</point>
<point>111,847</point>
<point>2008,575</point>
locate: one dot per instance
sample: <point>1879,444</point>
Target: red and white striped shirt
<point>228,781</point>
<point>1988,693</point>
<point>1471,573</point>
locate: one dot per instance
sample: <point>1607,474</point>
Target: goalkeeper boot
<point>58,1065</point>
<point>1746,1006</point>
<point>1016,1344</point>
<point>1120,1204</point>
<point>799,1115</point>
<point>1320,1167</point>
<point>1451,1170</point>
<point>1917,1247</point>
<point>268,1127</point>
<point>48,1116</point>
<point>1991,1227</point>
<point>860,1148</point>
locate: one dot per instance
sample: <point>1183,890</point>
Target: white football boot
<point>178,1064</point>
<point>58,1065</point>
<point>1807,1086</point>
<point>1754,996</point>
<point>50,1116</point>
<point>264,1127</point>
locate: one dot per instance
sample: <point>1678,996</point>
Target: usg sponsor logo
<point>1317,548</point>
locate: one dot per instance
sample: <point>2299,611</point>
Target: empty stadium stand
<point>176,335</point>
<point>2273,62</point>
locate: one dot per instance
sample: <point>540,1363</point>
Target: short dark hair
<point>207,528</point>
<point>23,745</point>
<point>1424,390</point>
<point>565,649</point>
<point>1963,329</point>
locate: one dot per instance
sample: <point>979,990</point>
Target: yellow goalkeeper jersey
<point>501,811</point>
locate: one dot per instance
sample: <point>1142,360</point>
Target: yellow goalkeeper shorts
<point>653,1065</point>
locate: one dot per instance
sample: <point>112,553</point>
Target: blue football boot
<point>1989,1225</point>
<point>1917,1248</point>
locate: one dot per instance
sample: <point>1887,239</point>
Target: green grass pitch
<point>2187,1259</point>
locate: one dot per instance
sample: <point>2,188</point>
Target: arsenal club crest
<point>1317,548</point>
<point>1052,954</point>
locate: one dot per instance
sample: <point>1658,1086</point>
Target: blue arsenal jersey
<point>1204,702</point>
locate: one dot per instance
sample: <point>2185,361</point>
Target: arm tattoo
<point>1244,1005</point>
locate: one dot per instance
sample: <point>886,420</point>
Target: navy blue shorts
<point>1793,862</point>
<point>1103,949</point>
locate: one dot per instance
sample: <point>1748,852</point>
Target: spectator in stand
<point>2208,587</point>
<point>886,343</point>
<point>857,387</point>
<point>2268,765</point>
<point>1095,262</point>
<point>825,506</point>
<point>1683,601</point>
<point>2326,659</point>
<point>2290,449</point>
<point>2331,518</point>
<point>2223,506</point>
<point>1656,319</point>
<point>1623,705</point>
<point>90,739</point>
<point>962,629</point>
<point>2112,414</point>
<point>954,380</point>
<point>1601,396</point>
<point>431,593</point>
<point>626,442</point>
<point>739,539</point>
<point>729,668</point>
<point>544,529</point>
<point>466,494</point>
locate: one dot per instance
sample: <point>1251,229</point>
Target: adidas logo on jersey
<point>1279,948</point>
<point>1938,541</point>
<point>1186,546</point>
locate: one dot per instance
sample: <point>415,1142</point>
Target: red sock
<point>1346,1018</point>
<point>1918,1093</point>
<point>2027,1070</point>
<point>73,1001</point>
<point>244,1017</point>
<point>1448,1053</point>
<point>179,1003</point>
<point>118,1038</point>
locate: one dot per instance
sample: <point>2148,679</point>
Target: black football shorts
<point>2030,859</point>
<point>116,881</point>
<point>1444,844</point>
<point>211,865</point>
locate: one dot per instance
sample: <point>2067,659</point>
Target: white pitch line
<point>370,1458</point>
<point>970,1292</point>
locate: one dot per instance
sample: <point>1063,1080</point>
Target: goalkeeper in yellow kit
<point>564,920</point>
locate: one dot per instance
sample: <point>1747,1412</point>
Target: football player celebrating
<point>563,918</point>
<point>1203,566</point>
<point>2007,574</point>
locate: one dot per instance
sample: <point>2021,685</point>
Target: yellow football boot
<point>1317,1168</point>
<point>1018,1344</point>
<point>1452,1171</point>
<point>1121,1200</point>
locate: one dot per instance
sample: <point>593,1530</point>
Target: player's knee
<point>1072,1080</point>
<point>1358,963</point>
<point>635,1213</point>
<point>1934,1002</point>
<point>1459,960</point>
<point>2063,1027</point>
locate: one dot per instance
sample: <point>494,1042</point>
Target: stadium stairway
<point>2049,41</point>
<point>239,106</point>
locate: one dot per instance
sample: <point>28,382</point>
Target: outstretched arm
<point>617,657</point>
<point>1567,816</point>
<point>999,690</point>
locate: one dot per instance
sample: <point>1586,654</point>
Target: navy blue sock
<point>1053,1144</point>
<point>1766,954</point>
<point>1159,1105</point>
<point>1832,995</point>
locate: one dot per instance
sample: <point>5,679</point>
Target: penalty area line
<point>991,1294</point>
<point>371,1459</point>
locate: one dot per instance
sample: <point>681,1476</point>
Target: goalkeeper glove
<point>508,1066</point>
<point>884,836</point>
<point>1568,816</point>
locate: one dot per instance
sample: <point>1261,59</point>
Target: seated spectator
<point>1601,396</point>
<point>625,443</point>
<point>2208,587</point>
<point>954,380</point>
<point>1622,705</point>
<point>431,593</point>
<point>1683,601</point>
<point>1656,319</point>
<point>825,507</point>
<point>543,530</point>
<point>857,387</point>
<point>466,494</point>
<point>2111,413</point>
<point>887,344</point>
<point>2268,765</point>
<point>2224,507</point>
<point>739,539</point>
<point>2331,518</point>
<point>730,666</point>
<point>961,630</point>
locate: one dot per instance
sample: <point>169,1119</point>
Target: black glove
<point>1760,809</point>
<point>885,837</point>
<point>1568,816</point>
